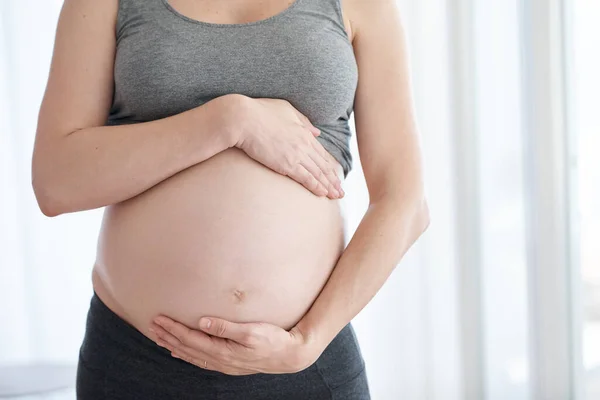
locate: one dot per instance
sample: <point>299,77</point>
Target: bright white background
<point>458,316</point>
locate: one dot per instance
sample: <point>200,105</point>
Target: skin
<point>80,164</point>
<point>397,215</point>
<point>193,168</point>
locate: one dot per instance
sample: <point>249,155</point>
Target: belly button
<point>238,296</point>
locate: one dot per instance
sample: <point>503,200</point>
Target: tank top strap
<point>325,9</point>
<point>130,12</point>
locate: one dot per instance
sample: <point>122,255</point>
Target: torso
<point>227,237</point>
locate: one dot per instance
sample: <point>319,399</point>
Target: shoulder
<point>362,14</point>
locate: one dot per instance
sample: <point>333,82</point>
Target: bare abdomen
<point>227,238</point>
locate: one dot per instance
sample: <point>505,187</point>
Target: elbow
<point>423,216</point>
<point>56,196</point>
<point>50,181</point>
<point>47,199</point>
<point>412,210</point>
<point>49,184</point>
<point>419,216</point>
<point>49,210</point>
<point>47,192</point>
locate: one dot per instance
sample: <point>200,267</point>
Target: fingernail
<point>152,330</point>
<point>205,323</point>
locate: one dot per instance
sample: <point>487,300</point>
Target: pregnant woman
<point>215,133</point>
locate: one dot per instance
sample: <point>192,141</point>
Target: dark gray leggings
<point>117,362</point>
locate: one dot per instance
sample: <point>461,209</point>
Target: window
<point>584,39</point>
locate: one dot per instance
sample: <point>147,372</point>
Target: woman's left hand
<point>237,348</point>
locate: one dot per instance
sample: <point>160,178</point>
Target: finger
<point>329,170</point>
<point>301,175</point>
<point>204,364</point>
<point>316,171</point>
<point>238,332</point>
<point>190,337</point>
<point>323,152</point>
<point>306,122</point>
<point>220,350</point>
<point>327,167</point>
<point>314,130</point>
<point>185,352</point>
<point>209,364</point>
<point>171,343</point>
<point>164,336</point>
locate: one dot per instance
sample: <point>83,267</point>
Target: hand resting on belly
<point>228,237</point>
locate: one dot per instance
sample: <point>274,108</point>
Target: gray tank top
<point>167,63</point>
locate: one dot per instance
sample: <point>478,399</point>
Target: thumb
<point>313,129</point>
<point>222,328</point>
<point>306,122</point>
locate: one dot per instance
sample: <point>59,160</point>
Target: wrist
<point>310,344</point>
<point>230,110</point>
<point>304,353</point>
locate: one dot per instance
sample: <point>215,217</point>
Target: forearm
<point>99,166</point>
<point>387,230</point>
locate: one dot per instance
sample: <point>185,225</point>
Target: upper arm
<point>80,84</point>
<point>386,131</point>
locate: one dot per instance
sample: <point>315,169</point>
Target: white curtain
<point>413,332</point>
<point>44,263</point>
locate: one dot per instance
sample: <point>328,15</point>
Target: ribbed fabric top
<point>167,63</point>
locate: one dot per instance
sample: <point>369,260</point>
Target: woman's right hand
<point>277,135</point>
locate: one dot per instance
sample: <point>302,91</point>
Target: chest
<point>163,68</point>
<point>229,11</point>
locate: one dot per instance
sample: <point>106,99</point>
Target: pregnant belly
<point>227,237</point>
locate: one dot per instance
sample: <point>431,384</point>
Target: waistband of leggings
<point>109,326</point>
<point>111,340</point>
